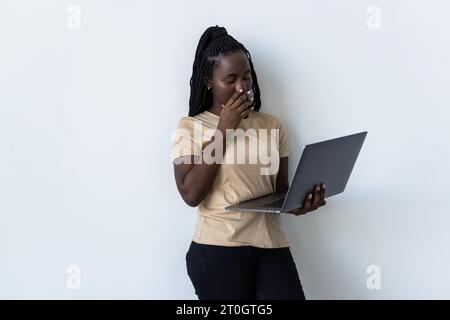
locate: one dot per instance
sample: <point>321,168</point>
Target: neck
<point>216,108</point>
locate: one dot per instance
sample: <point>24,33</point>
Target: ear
<point>209,83</point>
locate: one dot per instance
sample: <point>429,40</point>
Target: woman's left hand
<point>313,200</point>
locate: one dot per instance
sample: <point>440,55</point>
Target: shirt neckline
<point>215,115</point>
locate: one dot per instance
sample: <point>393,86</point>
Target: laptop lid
<point>330,161</point>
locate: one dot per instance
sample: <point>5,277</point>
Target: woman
<point>233,255</point>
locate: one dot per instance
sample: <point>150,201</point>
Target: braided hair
<point>215,41</point>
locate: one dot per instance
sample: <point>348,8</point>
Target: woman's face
<point>231,72</point>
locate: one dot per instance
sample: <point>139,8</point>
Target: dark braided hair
<point>215,41</point>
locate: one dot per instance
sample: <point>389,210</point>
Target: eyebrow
<point>233,74</point>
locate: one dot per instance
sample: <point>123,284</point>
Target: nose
<point>243,87</point>
<point>241,84</point>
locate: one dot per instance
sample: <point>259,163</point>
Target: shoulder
<point>201,118</point>
<point>270,119</point>
<point>187,122</point>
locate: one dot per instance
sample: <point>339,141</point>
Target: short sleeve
<point>283,146</point>
<point>184,139</point>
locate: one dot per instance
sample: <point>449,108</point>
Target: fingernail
<point>240,90</point>
<point>309,196</point>
<point>324,185</point>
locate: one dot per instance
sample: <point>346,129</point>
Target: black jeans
<point>251,273</point>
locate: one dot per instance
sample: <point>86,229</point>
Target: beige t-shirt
<point>240,177</point>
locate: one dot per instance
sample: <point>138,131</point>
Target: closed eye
<point>246,79</point>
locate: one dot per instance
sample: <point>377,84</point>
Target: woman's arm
<point>194,181</point>
<point>282,183</point>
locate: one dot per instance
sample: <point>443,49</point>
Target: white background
<point>86,117</point>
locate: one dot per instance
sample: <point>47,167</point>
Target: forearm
<point>282,182</point>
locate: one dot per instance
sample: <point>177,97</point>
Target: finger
<point>241,100</point>
<point>251,95</point>
<point>233,98</point>
<point>307,206</point>
<point>317,196</point>
<point>308,202</point>
<point>243,108</point>
<point>323,192</point>
<point>240,104</point>
<point>245,113</point>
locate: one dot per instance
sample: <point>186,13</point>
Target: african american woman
<point>233,254</point>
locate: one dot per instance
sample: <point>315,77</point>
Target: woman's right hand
<point>236,109</point>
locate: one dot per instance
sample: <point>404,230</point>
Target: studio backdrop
<point>91,92</point>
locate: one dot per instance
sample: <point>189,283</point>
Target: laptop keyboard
<point>274,204</point>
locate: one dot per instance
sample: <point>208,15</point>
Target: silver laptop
<point>330,162</point>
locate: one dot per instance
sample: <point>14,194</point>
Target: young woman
<point>233,255</point>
